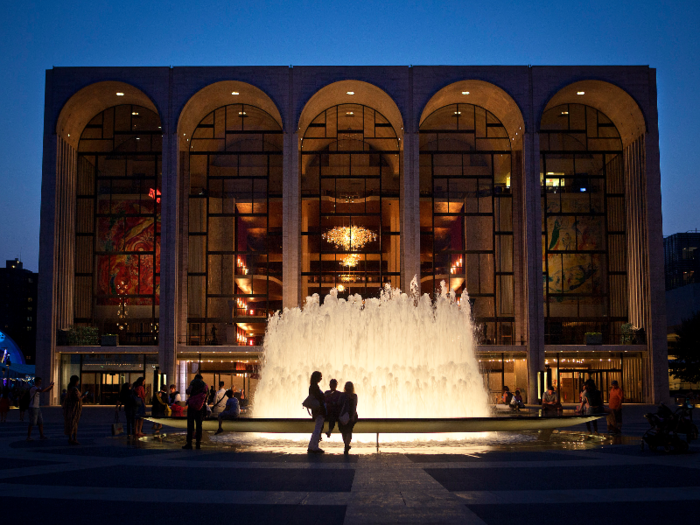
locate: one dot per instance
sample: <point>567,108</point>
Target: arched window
<point>466,214</point>
<point>583,229</point>
<point>350,180</point>
<point>234,263</point>
<point>117,263</point>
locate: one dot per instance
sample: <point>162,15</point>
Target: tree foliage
<point>686,350</point>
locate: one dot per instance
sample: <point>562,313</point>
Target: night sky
<point>36,36</point>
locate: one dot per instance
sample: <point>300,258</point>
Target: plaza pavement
<point>108,480</point>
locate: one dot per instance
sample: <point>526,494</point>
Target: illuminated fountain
<point>408,356</point>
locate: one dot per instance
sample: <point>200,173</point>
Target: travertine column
<point>167,350</point>
<point>410,209</point>
<point>533,260</point>
<point>291,232</point>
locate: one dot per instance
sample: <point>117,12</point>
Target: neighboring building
<point>682,264</point>
<point>18,304</point>
<point>181,206</point>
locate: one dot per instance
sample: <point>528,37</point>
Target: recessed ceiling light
<point>580,92</point>
<point>564,112</point>
<point>120,94</point>
<point>235,93</point>
<point>242,113</point>
<point>135,113</point>
<point>350,92</point>
<point>458,112</point>
<point>465,92</point>
<point>350,113</point>
<point>138,138</point>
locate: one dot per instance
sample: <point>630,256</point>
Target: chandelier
<point>350,260</point>
<point>347,278</point>
<point>349,238</point>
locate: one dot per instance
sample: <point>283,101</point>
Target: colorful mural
<point>568,233</point>
<point>126,231</point>
<point>575,274</point>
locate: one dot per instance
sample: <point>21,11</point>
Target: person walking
<point>198,392</point>
<point>125,400</point>
<point>615,403</point>
<point>233,409</point>
<point>72,409</point>
<point>591,404</point>
<point>139,395</point>
<point>4,404</point>
<point>332,397</point>
<point>218,404</point>
<point>318,414</point>
<point>348,414</point>
<point>34,405</point>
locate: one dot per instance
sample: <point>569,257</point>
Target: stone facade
<point>516,95</point>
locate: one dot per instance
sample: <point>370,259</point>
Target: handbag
<point>117,426</point>
<point>311,403</point>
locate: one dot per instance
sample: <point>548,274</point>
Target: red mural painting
<point>119,236</point>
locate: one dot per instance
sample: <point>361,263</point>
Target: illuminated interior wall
<point>350,178</point>
<point>466,214</point>
<point>117,263</point>
<point>584,260</point>
<point>234,260</point>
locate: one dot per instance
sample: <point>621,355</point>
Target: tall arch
<point>350,188</point>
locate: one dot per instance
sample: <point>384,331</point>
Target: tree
<point>686,350</point>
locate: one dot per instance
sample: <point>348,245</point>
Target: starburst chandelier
<point>350,260</point>
<point>349,238</point>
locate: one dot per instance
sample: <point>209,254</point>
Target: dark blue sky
<point>35,36</point>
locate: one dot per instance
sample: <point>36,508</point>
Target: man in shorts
<point>35,417</point>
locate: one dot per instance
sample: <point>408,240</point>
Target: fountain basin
<point>389,426</point>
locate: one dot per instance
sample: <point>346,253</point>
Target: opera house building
<point>182,206</point>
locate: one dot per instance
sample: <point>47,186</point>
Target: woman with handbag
<point>318,412</point>
<point>348,414</point>
<point>196,403</point>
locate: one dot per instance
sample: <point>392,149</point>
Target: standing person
<point>233,409</point>
<point>198,392</point>
<point>125,400</point>
<point>72,409</point>
<point>4,404</point>
<point>591,404</point>
<point>24,402</point>
<point>218,404</point>
<point>348,402</point>
<point>615,401</point>
<point>318,414</point>
<point>139,395</point>
<point>34,405</point>
<point>174,395</point>
<point>212,395</point>
<point>332,397</point>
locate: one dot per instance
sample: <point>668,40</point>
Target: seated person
<point>232,410</point>
<point>550,401</point>
<point>507,396</point>
<point>516,402</point>
<point>179,409</point>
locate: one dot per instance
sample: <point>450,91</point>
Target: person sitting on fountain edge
<point>550,402</point>
<point>318,414</point>
<point>232,410</point>
<point>332,405</point>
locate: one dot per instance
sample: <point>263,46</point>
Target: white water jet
<point>408,356</point>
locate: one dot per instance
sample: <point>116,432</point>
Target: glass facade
<point>466,214</point>
<point>584,242</point>
<point>117,228</point>
<point>350,185</point>
<point>234,263</point>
